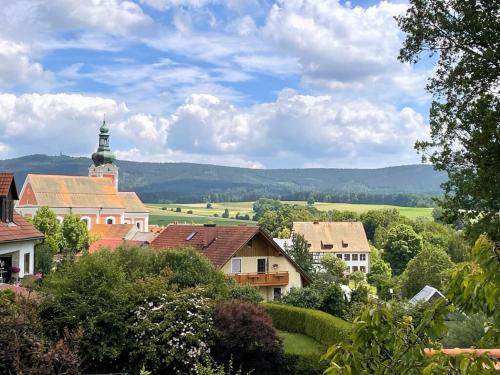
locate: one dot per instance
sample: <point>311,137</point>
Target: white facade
<point>22,254</point>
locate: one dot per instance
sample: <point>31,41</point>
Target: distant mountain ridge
<point>189,182</point>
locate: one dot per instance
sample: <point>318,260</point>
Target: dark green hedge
<point>303,364</point>
<point>325,328</point>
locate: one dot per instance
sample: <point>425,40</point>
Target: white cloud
<point>167,4</point>
<point>294,131</point>
<point>16,67</point>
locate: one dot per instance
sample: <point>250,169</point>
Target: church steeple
<point>104,160</point>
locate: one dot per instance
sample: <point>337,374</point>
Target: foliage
<point>43,258</point>
<point>45,221</point>
<point>275,221</point>
<point>75,234</point>
<point>225,213</point>
<point>334,301</point>
<point>380,274</point>
<point>247,293</point>
<point>388,339</point>
<point>170,332</point>
<point>306,297</point>
<point>299,251</point>
<point>24,348</point>
<point>357,277</point>
<point>401,245</point>
<point>378,218</point>
<point>428,267</point>
<point>335,267</point>
<point>465,113</point>
<point>466,332</point>
<point>265,204</point>
<point>245,334</point>
<point>474,287</point>
<point>321,326</point>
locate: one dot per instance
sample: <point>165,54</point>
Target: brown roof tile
<point>131,202</point>
<point>112,231</point>
<point>6,181</point>
<point>18,230</point>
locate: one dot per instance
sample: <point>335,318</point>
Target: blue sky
<point>254,83</point>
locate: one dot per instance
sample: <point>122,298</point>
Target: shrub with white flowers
<point>172,331</point>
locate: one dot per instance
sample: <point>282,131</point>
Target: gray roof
<point>428,293</point>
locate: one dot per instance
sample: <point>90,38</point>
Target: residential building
<point>95,198</point>
<point>17,236</point>
<point>113,236</point>
<point>345,240</point>
<point>245,253</point>
<point>427,294</point>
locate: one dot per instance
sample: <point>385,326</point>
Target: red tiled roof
<point>6,180</point>
<point>111,231</point>
<point>112,244</point>
<point>18,230</point>
<point>217,243</point>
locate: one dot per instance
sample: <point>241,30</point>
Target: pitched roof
<point>74,191</point>
<point>131,202</point>
<point>6,181</point>
<point>341,236</point>
<point>428,293</point>
<point>18,230</point>
<point>112,244</point>
<point>218,244</point>
<point>113,231</point>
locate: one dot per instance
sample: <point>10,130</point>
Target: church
<point>94,198</point>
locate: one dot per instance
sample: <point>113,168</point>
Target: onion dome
<point>103,154</point>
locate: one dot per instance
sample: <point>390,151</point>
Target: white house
<point>345,240</point>
<point>17,236</point>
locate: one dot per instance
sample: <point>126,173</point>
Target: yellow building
<point>245,253</point>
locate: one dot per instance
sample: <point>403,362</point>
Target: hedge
<point>325,328</point>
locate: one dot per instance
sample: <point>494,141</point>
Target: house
<point>17,236</point>
<point>345,240</point>
<point>245,253</point>
<point>95,198</point>
<point>427,294</point>
<point>113,236</point>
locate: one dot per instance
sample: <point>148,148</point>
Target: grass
<point>297,343</point>
<point>201,214</point>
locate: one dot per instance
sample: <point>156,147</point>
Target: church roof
<point>74,191</point>
<point>131,202</point>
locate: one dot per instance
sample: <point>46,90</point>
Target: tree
<point>357,278</point>
<point>428,267</point>
<point>209,205</point>
<point>43,258</point>
<point>308,297</point>
<point>465,113</point>
<point>245,334</point>
<point>335,267</point>
<point>226,213</point>
<point>379,275</point>
<point>401,245</point>
<point>375,218</point>
<point>334,301</point>
<point>265,204</point>
<point>45,221</point>
<point>299,251</point>
<point>247,293</point>
<point>74,234</point>
<point>310,200</point>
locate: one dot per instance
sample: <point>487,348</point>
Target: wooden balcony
<point>262,279</point>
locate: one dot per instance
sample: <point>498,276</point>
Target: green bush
<point>304,364</point>
<point>325,328</point>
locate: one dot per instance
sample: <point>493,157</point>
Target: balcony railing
<point>262,279</point>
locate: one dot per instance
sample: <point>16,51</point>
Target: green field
<point>297,343</point>
<point>162,214</point>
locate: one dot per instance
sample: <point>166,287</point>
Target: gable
<point>28,197</point>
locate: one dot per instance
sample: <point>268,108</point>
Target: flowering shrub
<point>15,269</point>
<point>171,331</point>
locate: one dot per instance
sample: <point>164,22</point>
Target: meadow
<point>163,214</point>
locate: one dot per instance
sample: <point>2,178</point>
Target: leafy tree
<point>467,332</point>
<point>334,301</point>
<point>310,200</point>
<point>225,213</point>
<point>245,334</point>
<point>401,245</point>
<point>209,205</point>
<point>357,278</point>
<point>275,221</point>
<point>465,113</point>
<point>43,258</point>
<point>387,339</point>
<point>378,218</point>
<point>428,267</point>
<point>308,297</point>
<point>265,204</point>
<point>380,275</point>
<point>247,293</point>
<point>299,251</point>
<point>75,234</point>
<point>335,267</point>
<point>45,221</point>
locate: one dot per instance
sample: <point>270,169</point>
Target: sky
<point>249,83</point>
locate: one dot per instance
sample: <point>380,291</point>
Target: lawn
<point>201,214</point>
<point>297,343</point>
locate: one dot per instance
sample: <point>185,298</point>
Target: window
<point>236,265</point>
<point>86,220</point>
<point>347,256</point>
<point>316,258</point>
<point>27,263</point>
<point>354,268</point>
<point>362,269</point>
<point>261,265</point>
<point>362,256</point>
<point>139,225</point>
<point>354,256</point>
<point>110,220</point>
<point>190,237</point>
<point>276,293</point>
<point>339,256</point>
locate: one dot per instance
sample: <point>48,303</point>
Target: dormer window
<point>6,209</point>
<point>344,244</point>
<point>8,194</point>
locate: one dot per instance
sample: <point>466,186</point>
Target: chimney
<point>209,234</point>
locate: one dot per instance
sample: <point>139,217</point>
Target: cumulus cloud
<point>294,131</point>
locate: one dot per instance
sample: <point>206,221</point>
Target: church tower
<point>104,160</point>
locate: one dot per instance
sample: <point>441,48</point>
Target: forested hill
<point>187,182</point>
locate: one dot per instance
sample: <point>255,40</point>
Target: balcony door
<point>261,265</point>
